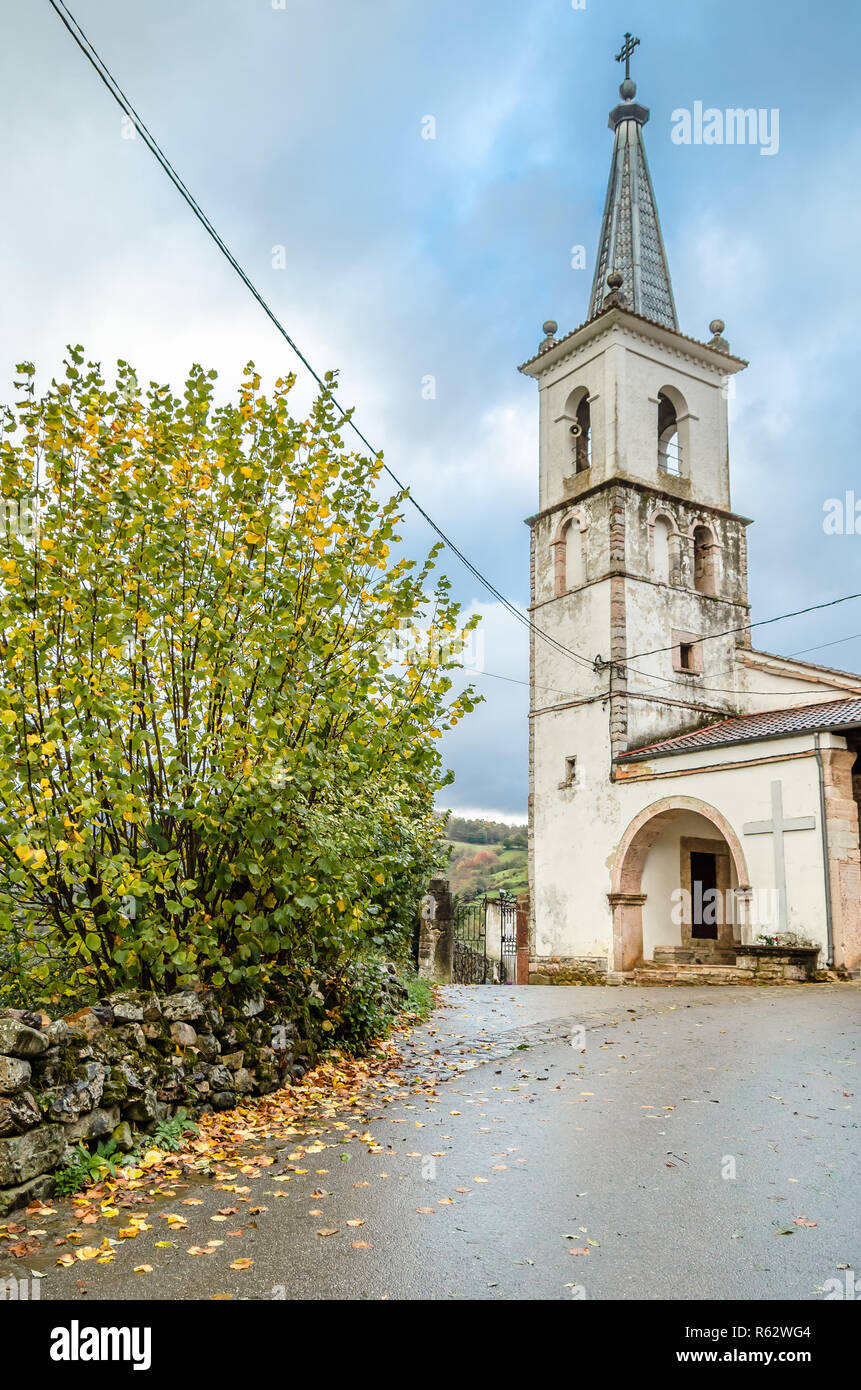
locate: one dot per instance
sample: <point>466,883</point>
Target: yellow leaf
<point>143,1269</point>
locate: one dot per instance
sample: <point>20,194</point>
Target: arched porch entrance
<point>668,854</point>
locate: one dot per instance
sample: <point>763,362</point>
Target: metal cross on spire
<point>631,247</point>
<point>625,56</point>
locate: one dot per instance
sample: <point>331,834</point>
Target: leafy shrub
<point>360,1007</point>
<point>210,768</point>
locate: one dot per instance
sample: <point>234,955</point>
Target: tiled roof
<point>746,728</point>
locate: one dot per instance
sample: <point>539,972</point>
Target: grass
<point>420,999</point>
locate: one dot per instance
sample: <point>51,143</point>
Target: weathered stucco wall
<point>579,830</point>
<point>656,562</point>
<point>618,363</point>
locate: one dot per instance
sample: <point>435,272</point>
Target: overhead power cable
<point>100,67</point>
<point>92,56</point>
<point>838,642</point>
<point>748,627</point>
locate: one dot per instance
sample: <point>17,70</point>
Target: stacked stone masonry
<point>130,1061</point>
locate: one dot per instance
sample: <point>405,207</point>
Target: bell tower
<point>636,554</point>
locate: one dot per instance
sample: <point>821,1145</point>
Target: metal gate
<point>485,941</point>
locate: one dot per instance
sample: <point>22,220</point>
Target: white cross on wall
<point>777,827</point>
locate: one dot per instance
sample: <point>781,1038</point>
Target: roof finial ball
<point>550,327</point>
<point>614,297</point>
<point>716,328</point>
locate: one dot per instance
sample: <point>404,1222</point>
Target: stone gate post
<point>436,933</point>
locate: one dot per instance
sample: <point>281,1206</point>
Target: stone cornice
<point>633,326</point>
<point>619,571</point>
<point>620,480</point>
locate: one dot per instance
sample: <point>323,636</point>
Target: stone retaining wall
<point>130,1061</point>
<point>568,970</point>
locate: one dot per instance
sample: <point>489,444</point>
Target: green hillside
<point>485,857</point>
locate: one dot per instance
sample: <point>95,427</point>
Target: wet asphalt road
<point>695,1128</point>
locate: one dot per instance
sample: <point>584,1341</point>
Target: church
<point>689,794</point>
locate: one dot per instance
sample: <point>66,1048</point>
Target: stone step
<point>682,955</point>
<point>659,973</point>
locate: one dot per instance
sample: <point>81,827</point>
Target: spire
<point>631,244</point>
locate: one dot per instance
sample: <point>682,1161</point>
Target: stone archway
<point>626,896</point>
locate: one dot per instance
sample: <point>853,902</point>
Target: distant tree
<point>481,832</point>
<point>517,838</point>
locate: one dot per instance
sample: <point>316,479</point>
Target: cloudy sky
<point>301,126</point>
